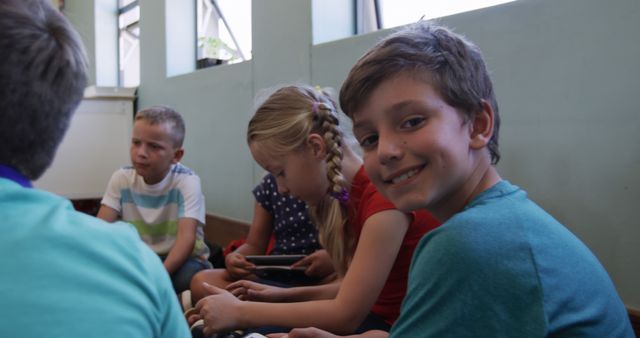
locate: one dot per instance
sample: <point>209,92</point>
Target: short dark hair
<point>42,79</point>
<point>450,62</point>
<point>163,114</point>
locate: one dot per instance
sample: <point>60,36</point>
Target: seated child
<point>285,217</point>
<point>161,197</point>
<point>64,273</point>
<point>297,136</point>
<point>425,113</point>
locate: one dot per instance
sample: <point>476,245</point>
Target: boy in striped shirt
<point>161,197</point>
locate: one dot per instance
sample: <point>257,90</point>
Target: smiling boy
<point>426,116</point>
<point>160,196</point>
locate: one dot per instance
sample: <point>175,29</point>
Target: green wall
<point>565,73</point>
<point>82,15</point>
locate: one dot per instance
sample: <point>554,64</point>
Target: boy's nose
<point>389,149</point>
<point>141,151</point>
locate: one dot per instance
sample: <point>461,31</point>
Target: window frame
<point>134,39</point>
<point>213,15</point>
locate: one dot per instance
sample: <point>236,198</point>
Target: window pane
<point>401,12</point>
<point>230,22</point>
<point>129,46</point>
<point>129,17</point>
<point>122,3</point>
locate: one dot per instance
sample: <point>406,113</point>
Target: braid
<point>331,213</point>
<point>333,139</point>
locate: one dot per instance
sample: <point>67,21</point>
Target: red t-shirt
<point>365,201</point>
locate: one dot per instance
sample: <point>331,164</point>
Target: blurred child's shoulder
<point>124,175</point>
<point>181,169</point>
<point>182,177</point>
<point>268,179</point>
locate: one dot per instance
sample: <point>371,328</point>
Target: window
<point>128,43</point>
<point>380,14</point>
<point>223,31</point>
<point>332,20</point>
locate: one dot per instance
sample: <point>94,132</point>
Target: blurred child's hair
<point>281,126</point>
<point>449,62</point>
<point>162,114</point>
<point>42,78</point>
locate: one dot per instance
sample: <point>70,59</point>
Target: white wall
<point>565,73</point>
<point>96,145</point>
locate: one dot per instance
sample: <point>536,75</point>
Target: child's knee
<point>197,280</point>
<point>197,290</point>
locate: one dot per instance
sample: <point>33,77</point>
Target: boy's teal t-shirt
<point>67,274</point>
<point>503,267</point>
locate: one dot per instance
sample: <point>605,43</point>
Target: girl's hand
<point>247,290</point>
<point>237,266</point>
<point>318,264</point>
<point>219,311</point>
<point>193,318</point>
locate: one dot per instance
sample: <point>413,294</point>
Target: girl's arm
<point>236,266</point>
<point>259,233</point>
<point>378,246</point>
<point>256,244</point>
<point>257,292</point>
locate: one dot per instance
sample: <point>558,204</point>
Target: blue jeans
<point>181,279</point>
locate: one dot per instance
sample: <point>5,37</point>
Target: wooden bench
<point>221,230</point>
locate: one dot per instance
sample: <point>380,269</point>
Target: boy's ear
<point>316,143</point>
<point>481,126</point>
<point>177,155</point>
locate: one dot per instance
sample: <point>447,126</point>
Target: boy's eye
<point>368,141</point>
<point>135,142</point>
<point>154,146</point>
<point>412,122</point>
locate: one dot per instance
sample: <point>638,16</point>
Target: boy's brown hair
<point>449,62</point>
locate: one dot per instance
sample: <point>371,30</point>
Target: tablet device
<point>274,260</point>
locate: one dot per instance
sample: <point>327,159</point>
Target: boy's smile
<point>152,151</point>
<point>417,148</point>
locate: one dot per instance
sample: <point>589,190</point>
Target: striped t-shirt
<point>155,209</point>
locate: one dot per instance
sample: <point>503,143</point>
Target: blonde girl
<point>296,135</point>
<point>284,218</point>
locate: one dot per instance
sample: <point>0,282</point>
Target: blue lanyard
<point>12,174</point>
